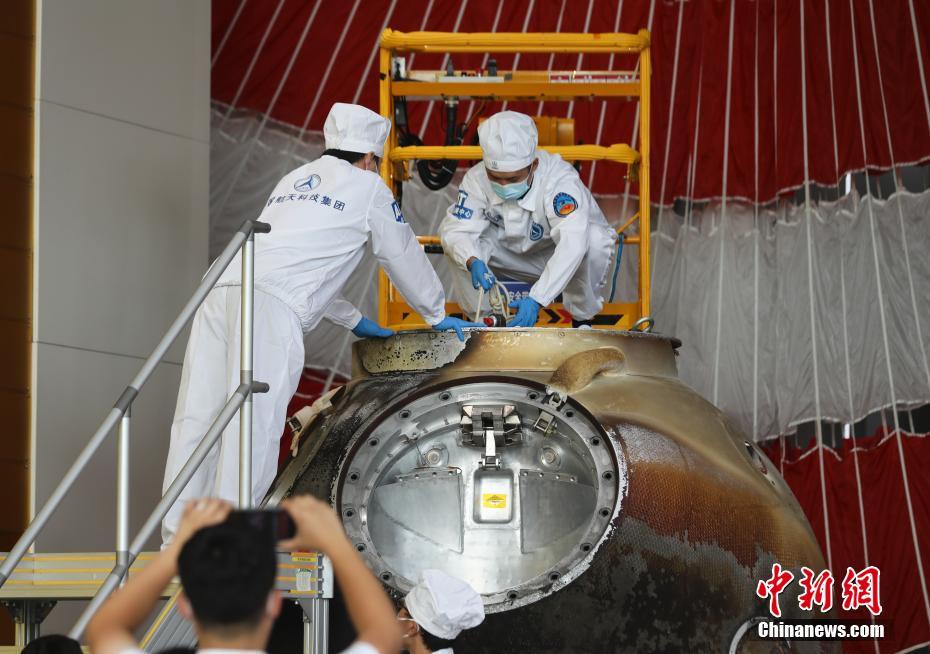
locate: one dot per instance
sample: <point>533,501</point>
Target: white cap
<point>444,605</point>
<point>508,140</point>
<point>355,128</point>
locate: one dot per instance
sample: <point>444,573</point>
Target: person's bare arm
<point>110,631</point>
<point>319,529</point>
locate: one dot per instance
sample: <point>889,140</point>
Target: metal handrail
<point>244,240</point>
<point>237,400</point>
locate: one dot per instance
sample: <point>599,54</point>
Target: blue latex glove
<point>456,324</point>
<point>370,329</point>
<point>527,312</point>
<point>480,275</point>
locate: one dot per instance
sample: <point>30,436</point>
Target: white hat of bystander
<point>444,605</point>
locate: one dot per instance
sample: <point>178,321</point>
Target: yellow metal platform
<point>393,310</point>
<point>42,580</point>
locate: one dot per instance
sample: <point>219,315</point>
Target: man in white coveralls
<point>322,215</point>
<point>525,213</point>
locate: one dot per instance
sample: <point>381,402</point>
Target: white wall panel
<point>139,61</point>
<point>121,221</point>
<point>122,236</point>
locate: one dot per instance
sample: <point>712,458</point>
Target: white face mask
<point>513,191</point>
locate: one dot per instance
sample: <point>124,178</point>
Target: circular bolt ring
<point>349,513</point>
<point>644,324</point>
<point>445,396</point>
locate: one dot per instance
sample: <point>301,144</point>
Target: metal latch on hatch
<point>546,420</point>
<point>490,427</point>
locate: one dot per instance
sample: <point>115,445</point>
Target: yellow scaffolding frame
<point>393,311</point>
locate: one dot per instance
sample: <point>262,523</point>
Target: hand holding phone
<point>275,523</point>
<point>197,515</point>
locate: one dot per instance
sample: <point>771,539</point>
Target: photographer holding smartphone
<point>227,570</point>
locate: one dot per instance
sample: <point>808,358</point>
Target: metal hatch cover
<point>420,491</point>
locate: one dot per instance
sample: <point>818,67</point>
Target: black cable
<point>436,174</point>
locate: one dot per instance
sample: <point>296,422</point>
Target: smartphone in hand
<point>276,523</point>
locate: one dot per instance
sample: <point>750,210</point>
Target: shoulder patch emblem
<point>398,214</point>
<point>459,210</point>
<point>563,204</point>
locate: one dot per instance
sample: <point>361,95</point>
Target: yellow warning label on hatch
<point>494,501</point>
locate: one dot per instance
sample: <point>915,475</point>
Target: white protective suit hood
<point>355,128</point>
<point>444,605</point>
<point>508,140</point>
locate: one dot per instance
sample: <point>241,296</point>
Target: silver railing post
<point>170,497</point>
<point>320,625</point>
<point>122,489</point>
<point>308,634</point>
<point>247,317</point>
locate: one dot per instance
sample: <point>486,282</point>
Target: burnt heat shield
<point>595,502</point>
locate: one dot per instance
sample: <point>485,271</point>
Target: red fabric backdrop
<point>767,39</point>
<point>887,526</point>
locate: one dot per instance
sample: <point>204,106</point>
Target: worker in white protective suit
<point>322,215</point>
<point>524,213</point>
<point>436,611</point>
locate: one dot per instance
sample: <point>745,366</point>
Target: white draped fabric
<point>736,291</point>
<point>765,364</point>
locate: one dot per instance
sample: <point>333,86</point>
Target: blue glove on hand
<point>456,324</point>
<point>480,275</point>
<point>527,312</point>
<point>370,329</point>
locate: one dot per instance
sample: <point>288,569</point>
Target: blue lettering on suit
<point>459,210</point>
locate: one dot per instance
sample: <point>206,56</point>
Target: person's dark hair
<point>435,643</point>
<point>345,155</point>
<point>227,572</point>
<point>351,157</point>
<point>53,644</point>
